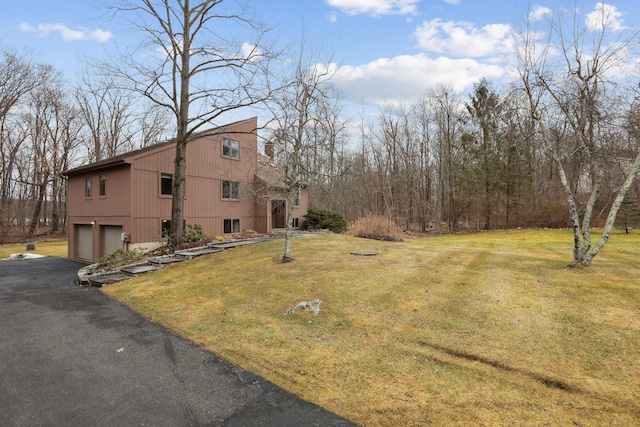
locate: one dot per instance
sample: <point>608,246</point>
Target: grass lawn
<point>478,329</point>
<point>56,248</point>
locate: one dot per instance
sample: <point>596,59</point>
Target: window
<point>166,184</point>
<point>296,222</point>
<point>87,187</point>
<point>231,226</point>
<point>231,148</point>
<point>230,190</point>
<point>166,227</point>
<point>296,199</point>
<point>103,185</point>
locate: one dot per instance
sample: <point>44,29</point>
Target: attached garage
<point>111,238</point>
<point>84,242</point>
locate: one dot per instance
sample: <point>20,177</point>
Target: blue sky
<point>388,50</point>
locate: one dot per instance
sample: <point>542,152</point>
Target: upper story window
<point>87,187</point>
<point>166,184</point>
<point>230,148</point>
<point>230,190</point>
<point>103,185</point>
<point>296,199</point>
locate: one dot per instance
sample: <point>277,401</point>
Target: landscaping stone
<point>168,259</point>
<point>230,245</point>
<point>196,252</point>
<point>100,280</point>
<point>364,253</point>
<point>139,268</point>
<point>89,275</point>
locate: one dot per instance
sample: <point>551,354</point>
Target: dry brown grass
<point>481,329</point>
<point>56,248</point>
<point>377,228</point>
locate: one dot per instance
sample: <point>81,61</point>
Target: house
<point>124,202</point>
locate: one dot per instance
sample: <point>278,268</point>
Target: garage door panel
<point>84,239</point>
<point>111,239</point>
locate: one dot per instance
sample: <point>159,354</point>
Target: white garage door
<point>111,239</point>
<point>84,240</point>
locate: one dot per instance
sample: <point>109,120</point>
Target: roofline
<point>125,158</point>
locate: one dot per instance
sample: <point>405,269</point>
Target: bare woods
<point>554,145</point>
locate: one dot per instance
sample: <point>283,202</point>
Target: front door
<point>278,214</point>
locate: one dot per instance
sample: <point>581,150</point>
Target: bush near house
<point>193,233</point>
<point>317,219</point>
<point>119,258</point>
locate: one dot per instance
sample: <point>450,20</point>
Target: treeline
<point>449,162</point>
<point>48,125</point>
<point>553,148</point>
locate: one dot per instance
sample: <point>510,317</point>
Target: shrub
<point>193,233</point>
<point>377,228</point>
<point>120,258</point>
<point>317,219</point>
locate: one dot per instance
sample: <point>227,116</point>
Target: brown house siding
<point>134,201</point>
<point>109,210</point>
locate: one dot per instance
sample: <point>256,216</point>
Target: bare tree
<point>578,89</point>
<point>297,111</point>
<point>107,111</point>
<point>52,126</point>
<point>447,108</point>
<point>19,75</point>
<point>190,64</point>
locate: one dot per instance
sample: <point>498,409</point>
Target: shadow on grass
<point>547,381</point>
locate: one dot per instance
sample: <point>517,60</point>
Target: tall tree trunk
<point>611,218</point>
<point>35,218</point>
<point>180,163</point>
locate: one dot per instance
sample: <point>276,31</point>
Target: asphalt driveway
<point>73,356</point>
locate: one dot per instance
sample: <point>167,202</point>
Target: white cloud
<point>100,35</point>
<point>539,12</point>
<point>605,15</point>
<point>407,77</point>
<point>375,7</point>
<point>250,52</point>
<point>67,34</point>
<point>463,38</point>
<point>453,2</point>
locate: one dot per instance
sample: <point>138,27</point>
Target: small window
<point>87,187</point>
<point>230,190</point>
<point>166,184</point>
<point>296,199</point>
<point>231,226</point>
<point>103,185</point>
<point>166,227</point>
<point>231,148</point>
<point>296,222</point>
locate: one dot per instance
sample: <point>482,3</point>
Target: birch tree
<point>296,111</point>
<point>579,89</point>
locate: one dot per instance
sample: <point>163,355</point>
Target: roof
<point>120,159</point>
<point>125,158</point>
<point>272,174</point>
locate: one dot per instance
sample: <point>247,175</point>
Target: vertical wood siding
<point>133,198</point>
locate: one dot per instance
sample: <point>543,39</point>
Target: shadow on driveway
<point>73,356</point>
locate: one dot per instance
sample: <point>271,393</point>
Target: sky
<point>388,51</point>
